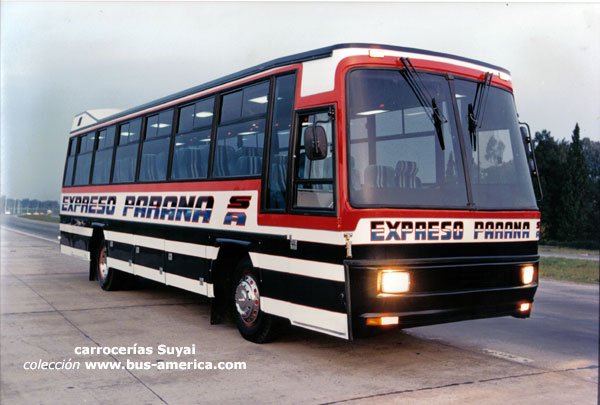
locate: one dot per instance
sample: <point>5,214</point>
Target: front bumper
<point>442,289</point>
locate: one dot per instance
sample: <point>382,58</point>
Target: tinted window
<point>192,142</point>
<point>314,178</point>
<point>82,171</point>
<point>130,132</point>
<point>280,141</point>
<point>106,138</point>
<point>190,155</point>
<point>240,141</point>
<point>83,162</point>
<point>155,149</point>
<point>72,147</point>
<point>103,156</point>
<point>497,161</point>
<point>127,152</point>
<point>87,143</point>
<point>195,116</point>
<point>395,155</point>
<point>159,124</point>
<point>70,164</point>
<point>69,171</point>
<point>155,155</point>
<point>239,149</point>
<point>245,103</point>
<point>125,161</point>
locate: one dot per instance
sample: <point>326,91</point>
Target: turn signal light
<point>524,307</point>
<point>383,321</point>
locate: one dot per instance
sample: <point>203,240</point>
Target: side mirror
<point>530,154</point>
<point>315,142</point>
<point>528,148</point>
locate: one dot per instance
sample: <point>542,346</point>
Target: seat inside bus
<point>383,176</point>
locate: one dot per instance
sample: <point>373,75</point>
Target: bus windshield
<point>396,159</point>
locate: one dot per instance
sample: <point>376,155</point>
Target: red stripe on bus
<point>222,185</point>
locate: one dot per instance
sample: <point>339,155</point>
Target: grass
<point>581,271</point>
<point>42,218</point>
<point>568,250</point>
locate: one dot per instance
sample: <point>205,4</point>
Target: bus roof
<point>319,53</point>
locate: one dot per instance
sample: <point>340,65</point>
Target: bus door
<point>308,284</point>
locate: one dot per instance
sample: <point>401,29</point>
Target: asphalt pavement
<point>49,309</point>
<point>47,230</point>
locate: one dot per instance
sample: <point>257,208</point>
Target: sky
<point>58,59</point>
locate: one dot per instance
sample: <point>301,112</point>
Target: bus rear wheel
<point>254,325</point>
<point>108,278</point>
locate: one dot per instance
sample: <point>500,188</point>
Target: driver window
<point>314,180</point>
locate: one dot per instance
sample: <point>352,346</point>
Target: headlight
<point>393,282</point>
<point>527,273</point>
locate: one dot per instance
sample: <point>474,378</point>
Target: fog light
<point>393,282</point>
<point>382,321</point>
<point>524,307</point>
<point>527,273</point>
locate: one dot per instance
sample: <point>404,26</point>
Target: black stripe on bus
<point>277,245</point>
<point>189,266</point>
<point>148,257</point>
<point>120,251</point>
<point>307,291</point>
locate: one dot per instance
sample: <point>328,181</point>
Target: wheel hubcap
<point>103,264</point>
<point>247,299</point>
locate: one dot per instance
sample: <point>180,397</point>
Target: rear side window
<point>70,164</point>
<point>83,161</point>
<point>127,151</point>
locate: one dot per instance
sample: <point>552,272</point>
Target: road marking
<point>507,356</point>
<point>29,234</point>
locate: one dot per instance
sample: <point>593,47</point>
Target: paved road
<point>579,256</point>
<point>48,308</point>
<point>46,230</point>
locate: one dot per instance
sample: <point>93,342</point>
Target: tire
<point>254,325</point>
<point>109,279</point>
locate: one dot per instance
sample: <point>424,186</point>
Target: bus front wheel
<point>254,325</point>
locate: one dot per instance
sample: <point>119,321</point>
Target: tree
<point>551,160</point>
<point>591,151</point>
<point>574,201</point>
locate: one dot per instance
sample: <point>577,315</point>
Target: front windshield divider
<point>463,148</point>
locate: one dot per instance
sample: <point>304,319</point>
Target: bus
<point>345,189</point>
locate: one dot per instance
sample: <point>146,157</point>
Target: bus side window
<point>241,132</point>
<point>155,147</point>
<point>192,141</point>
<point>283,108</point>
<point>70,166</point>
<point>314,179</point>
<point>83,162</point>
<point>127,151</point>
<point>103,156</point>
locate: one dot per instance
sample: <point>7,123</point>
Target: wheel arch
<point>231,252</point>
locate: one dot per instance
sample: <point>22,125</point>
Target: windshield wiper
<point>423,96</point>
<point>476,109</point>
